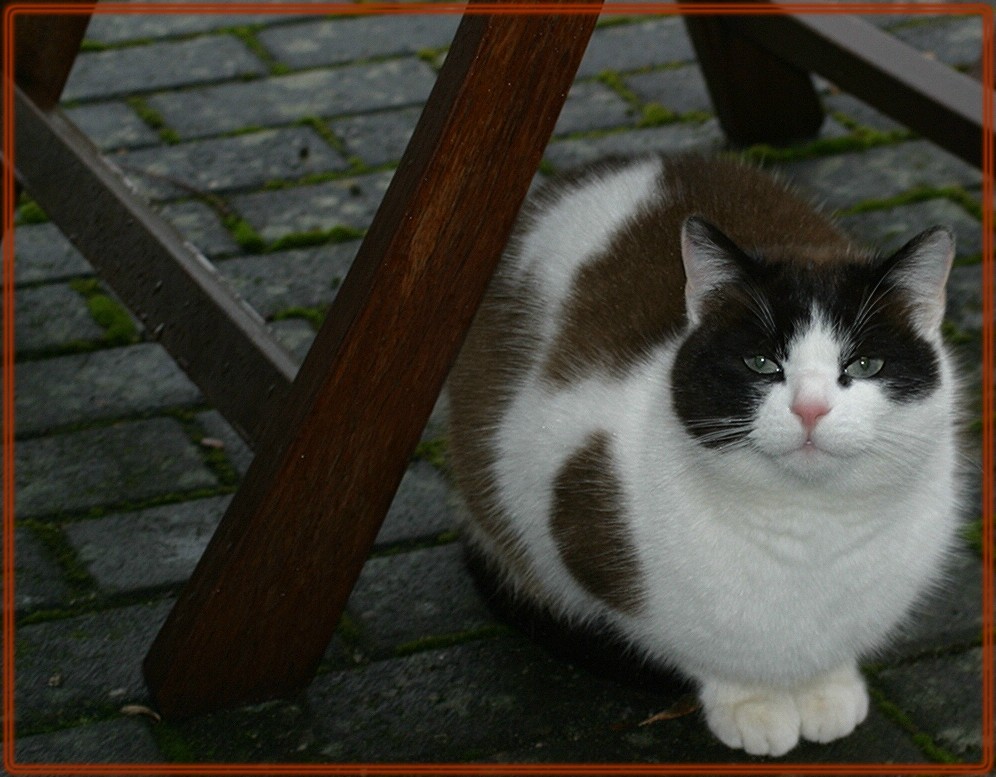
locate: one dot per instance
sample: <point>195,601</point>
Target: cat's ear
<point>920,268</point>
<point>711,260</point>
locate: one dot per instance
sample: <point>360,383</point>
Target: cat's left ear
<point>711,260</point>
<point>920,268</point>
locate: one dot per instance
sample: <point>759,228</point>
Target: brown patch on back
<point>591,534</point>
<point>631,299</point>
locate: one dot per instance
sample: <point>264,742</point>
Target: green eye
<point>762,365</point>
<point>863,367</point>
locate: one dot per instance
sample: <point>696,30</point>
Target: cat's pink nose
<point>810,411</point>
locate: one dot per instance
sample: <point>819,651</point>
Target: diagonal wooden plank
<point>928,96</point>
<point>220,341</point>
<point>262,604</point>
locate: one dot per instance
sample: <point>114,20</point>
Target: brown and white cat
<point>691,409</point>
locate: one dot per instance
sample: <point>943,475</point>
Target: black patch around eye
<point>714,394</point>
<point>911,369</point>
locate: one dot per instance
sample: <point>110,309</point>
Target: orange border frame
<point>12,11</point>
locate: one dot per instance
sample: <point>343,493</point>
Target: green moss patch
<point>314,316</point>
<point>108,313</point>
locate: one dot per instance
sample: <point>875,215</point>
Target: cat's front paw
<point>831,707</point>
<point>760,721</point>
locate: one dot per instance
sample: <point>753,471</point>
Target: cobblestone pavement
<point>268,141</point>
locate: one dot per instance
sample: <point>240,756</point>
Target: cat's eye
<point>762,365</point>
<point>863,367</point>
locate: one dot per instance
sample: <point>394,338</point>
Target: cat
<point>691,409</point>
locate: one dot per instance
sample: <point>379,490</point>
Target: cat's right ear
<point>710,260</point>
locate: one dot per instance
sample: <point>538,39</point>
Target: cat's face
<point>814,368</point>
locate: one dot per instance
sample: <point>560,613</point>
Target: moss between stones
<point>955,194</point>
<point>437,641</point>
<point>615,82</point>
<point>927,746</point>
<point>243,233</point>
<point>154,120</point>
<point>856,141</point>
<point>111,316</point>
<point>29,212</point>
<point>337,234</point>
<point>433,452</point>
<point>249,36</point>
<point>972,533</point>
<point>74,571</point>
<point>314,316</point>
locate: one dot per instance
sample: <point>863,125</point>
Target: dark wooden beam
<point>176,293</point>
<point>758,96</point>
<point>262,604</point>
<point>928,96</point>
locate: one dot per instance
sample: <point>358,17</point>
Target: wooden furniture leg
<point>758,97</point>
<point>45,48</point>
<point>931,98</point>
<point>261,607</point>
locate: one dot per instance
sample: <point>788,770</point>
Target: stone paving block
<point>349,202</point>
<point>377,138</point>
<point>685,741</point>
<point>52,316</point>
<point>860,112</point>
<point>337,41</point>
<point>670,138</point>
<point>626,47</point>
<point>85,665</point>
<point>889,229</point>
<point>126,462</point>
<point>401,600</point>
<point>842,180</point>
<point>43,254</point>
<point>201,226</point>
<point>121,28</point>
<point>421,508</point>
<point>147,549</point>
<point>102,384</point>
<point>283,99</point>
<point>277,732</point>
<point>112,125</point>
<point>682,90</point>
<point>238,454</point>
<point>38,581</point>
<point>160,65</point>
<point>956,40</point>
<point>950,616</point>
<point>593,106</point>
<point>242,162</point>
<point>296,335</point>
<point>307,277</point>
<point>943,698</point>
<point>505,700</point>
<point>113,741</point>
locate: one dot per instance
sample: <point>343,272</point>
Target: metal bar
<point>929,97</point>
<point>176,293</point>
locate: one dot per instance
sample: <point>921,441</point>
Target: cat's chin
<point>808,460</point>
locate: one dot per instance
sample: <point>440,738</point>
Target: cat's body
<point>745,466</point>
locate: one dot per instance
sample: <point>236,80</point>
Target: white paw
<point>760,721</point>
<point>831,707</point>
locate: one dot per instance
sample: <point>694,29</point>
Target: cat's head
<point>816,367</point>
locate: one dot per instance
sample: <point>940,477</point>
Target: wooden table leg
<point>45,48</point>
<point>261,607</point>
<point>758,97</point>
